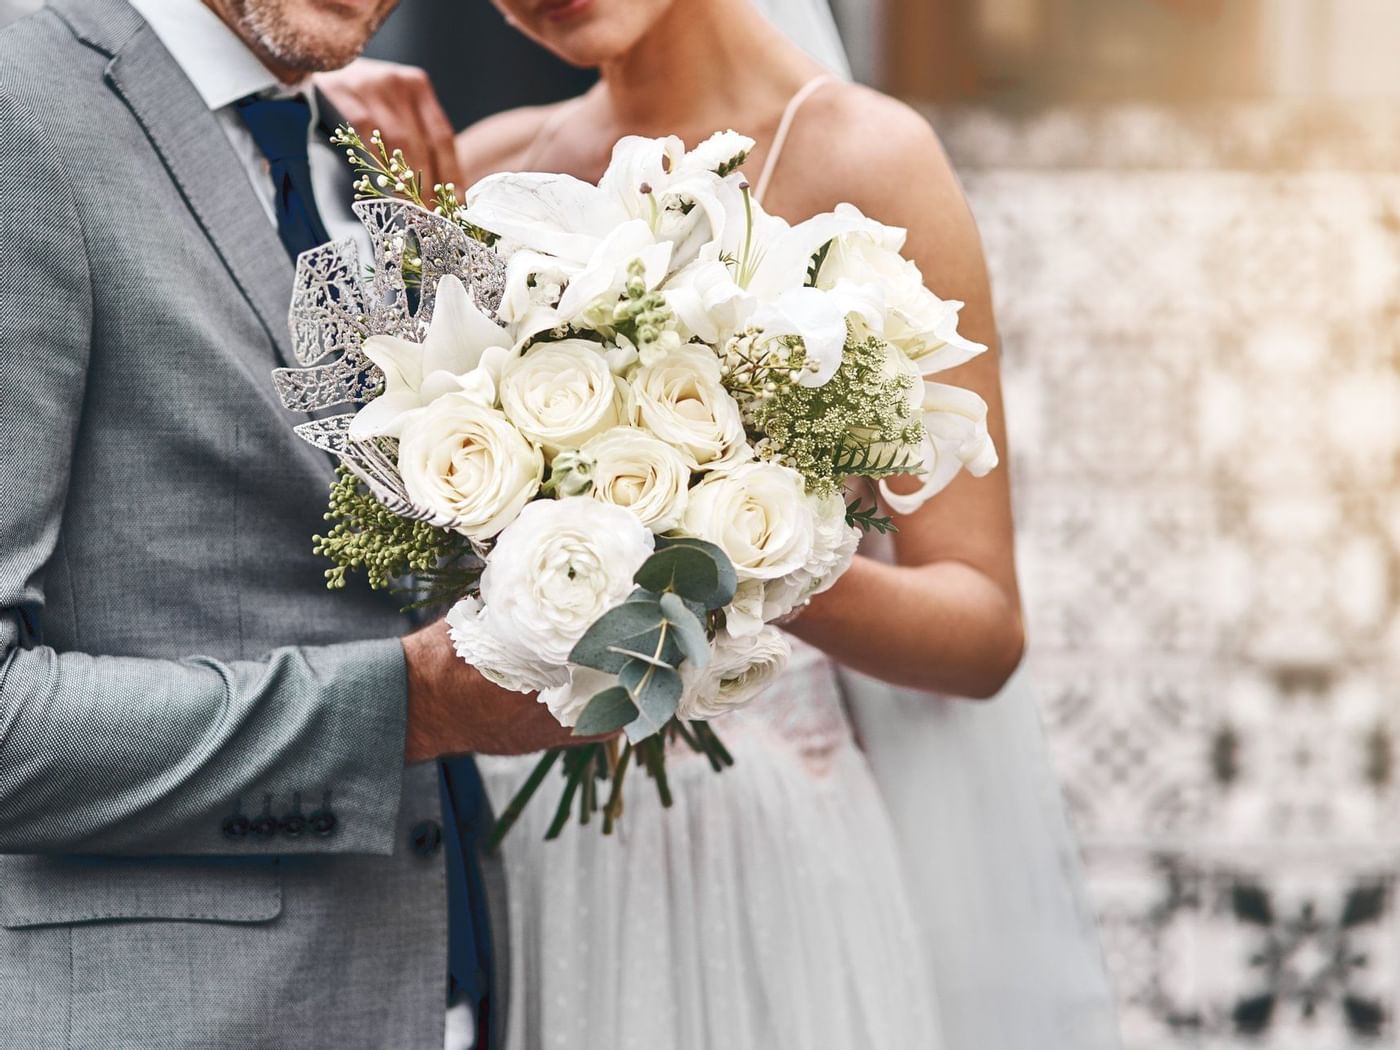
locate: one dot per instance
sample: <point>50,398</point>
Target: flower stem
<point>613,811</point>
<point>522,798</point>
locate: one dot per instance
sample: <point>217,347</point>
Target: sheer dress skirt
<point>766,909</point>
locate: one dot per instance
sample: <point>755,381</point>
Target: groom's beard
<point>305,36</point>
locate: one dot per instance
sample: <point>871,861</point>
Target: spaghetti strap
<point>547,130</point>
<point>770,163</point>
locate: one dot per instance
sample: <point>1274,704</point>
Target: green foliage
<point>385,173</point>
<point>732,165</point>
<point>693,569</point>
<point>607,712</point>
<point>869,518</point>
<point>814,270</point>
<point>367,536</point>
<point>646,639</point>
<point>859,424</point>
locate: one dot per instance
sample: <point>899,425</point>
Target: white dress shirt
<point>223,70</point>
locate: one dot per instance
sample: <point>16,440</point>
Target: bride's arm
<point>945,615</point>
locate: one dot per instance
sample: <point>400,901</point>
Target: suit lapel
<point>199,157</point>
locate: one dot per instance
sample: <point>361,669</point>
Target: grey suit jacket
<point>172,667</point>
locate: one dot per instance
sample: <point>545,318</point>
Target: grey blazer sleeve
<point>108,754</point>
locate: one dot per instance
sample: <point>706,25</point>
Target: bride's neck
<point>703,61</point>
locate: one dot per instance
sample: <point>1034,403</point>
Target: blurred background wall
<point>1192,214</point>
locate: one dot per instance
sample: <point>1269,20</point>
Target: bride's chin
<point>586,47</point>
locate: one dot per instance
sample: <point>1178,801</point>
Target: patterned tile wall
<point>1201,326</point>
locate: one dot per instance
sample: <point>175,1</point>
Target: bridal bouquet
<point>616,426</point>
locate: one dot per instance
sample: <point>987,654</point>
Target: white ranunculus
<point>681,399</point>
<point>568,701</point>
<point>497,658</point>
<point>561,394</point>
<point>468,465</point>
<point>463,349</point>
<point>741,668</point>
<point>556,569</point>
<point>758,514</point>
<point>834,546</point>
<point>634,469</point>
<point>917,321</point>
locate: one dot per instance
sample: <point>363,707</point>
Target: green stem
<point>712,742</point>
<point>656,766</point>
<point>613,810</point>
<point>575,767</point>
<point>522,798</point>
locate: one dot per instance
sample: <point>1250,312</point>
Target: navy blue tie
<point>280,127</point>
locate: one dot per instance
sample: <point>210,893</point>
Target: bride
<point>771,906</point>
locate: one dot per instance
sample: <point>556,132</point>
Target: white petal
<point>637,161</point>
<point>399,360</point>
<point>557,214</point>
<point>786,260</point>
<point>817,318</point>
<point>385,415</point>
<point>721,148</point>
<point>459,331</point>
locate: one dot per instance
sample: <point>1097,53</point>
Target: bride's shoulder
<point>501,141</point>
<point>873,151</point>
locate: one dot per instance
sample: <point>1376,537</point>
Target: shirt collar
<point>218,63</point>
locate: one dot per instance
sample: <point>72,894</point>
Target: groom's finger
<point>438,137</point>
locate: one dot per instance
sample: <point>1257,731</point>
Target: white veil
<point>810,25</point>
<point>993,866</point>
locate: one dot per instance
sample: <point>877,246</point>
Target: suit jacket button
<point>264,827</point>
<point>236,826</point>
<point>322,823</point>
<point>293,825</point>
<point>426,837</point>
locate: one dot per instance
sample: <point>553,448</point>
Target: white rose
<point>561,394</point>
<point>681,399</point>
<point>468,465</point>
<point>741,668</point>
<point>758,514</point>
<point>556,569</point>
<point>636,470</point>
<point>759,602</point>
<point>917,321</point>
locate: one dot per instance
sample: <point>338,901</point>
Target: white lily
<point>955,438</point>
<point>677,194</point>
<point>462,351</point>
<point>866,260</point>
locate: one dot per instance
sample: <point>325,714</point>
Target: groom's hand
<point>400,101</point>
<point>453,710</point>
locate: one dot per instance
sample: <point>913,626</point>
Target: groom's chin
<point>308,36</point>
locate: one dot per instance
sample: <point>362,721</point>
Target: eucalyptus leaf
<point>634,625</point>
<point>689,631</point>
<point>692,568</point>
<point>656,691</point>
<point>607,712</point>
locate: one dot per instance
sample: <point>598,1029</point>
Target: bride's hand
<point>400,101</point>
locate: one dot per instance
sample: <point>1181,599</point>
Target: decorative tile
<point>1200,317</point>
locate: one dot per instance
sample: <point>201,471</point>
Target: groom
<point>221,825</point>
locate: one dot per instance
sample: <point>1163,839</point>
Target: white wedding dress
<point>922,894</point>
<point>766,909</point>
